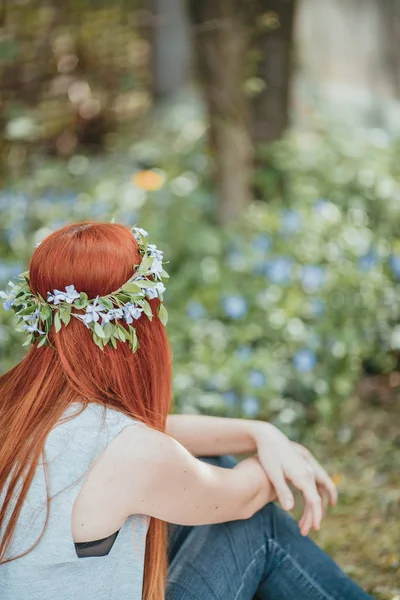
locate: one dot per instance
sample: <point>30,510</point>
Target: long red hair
<point>97,258</point>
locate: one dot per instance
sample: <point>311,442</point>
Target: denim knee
<point>227,462</point>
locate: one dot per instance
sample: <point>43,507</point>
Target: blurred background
<point>258,141</point>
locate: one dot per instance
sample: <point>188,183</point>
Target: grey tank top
<point>53,570</point>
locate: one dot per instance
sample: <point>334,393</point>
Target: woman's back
<point>54,569</point>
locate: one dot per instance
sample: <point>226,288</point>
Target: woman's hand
<point>325,485</point>
<point>285,461</point>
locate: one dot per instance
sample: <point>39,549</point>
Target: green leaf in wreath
<point>146,264</point>
<point>99,330</point>
<point>122,333</point>
<point>107,303</point>
<point>98,341</point>
<point>147,309</point>
<point>45,312</point>
<point>42,342</point>
<point>65,315</point>
<point>57,322</point>
<point>131,288</point>
<point>27,311</point>
<point>162,314</point>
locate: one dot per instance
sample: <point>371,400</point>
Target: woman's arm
<point>282,460</point>
<point>160,478</point>
<point>215,436</point>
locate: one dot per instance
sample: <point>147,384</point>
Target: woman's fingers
<point>321,475</point>
<point>324,480</point>
<point>304,480</point>
<point>306,521</point>
<point>283,492</point>
<point>325,498</point>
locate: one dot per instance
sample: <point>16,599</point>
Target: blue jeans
<point>264,557</point>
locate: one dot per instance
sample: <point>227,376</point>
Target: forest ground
<point>362,451</point>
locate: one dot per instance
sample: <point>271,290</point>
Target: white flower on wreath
<point>131,312</point>
<point>69,295</point>
<point>156,291</point>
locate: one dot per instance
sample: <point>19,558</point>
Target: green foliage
<point>278,316</point>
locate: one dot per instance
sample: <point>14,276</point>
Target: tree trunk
<point>171,47</point>
<point>221,42</point>
<point>270,108</point>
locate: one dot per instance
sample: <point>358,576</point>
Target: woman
<point>92,467</point>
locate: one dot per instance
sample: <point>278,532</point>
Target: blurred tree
<point>222,36</point>
<point>270,107</point>
<point>243,53</point>
<point>171,47</point>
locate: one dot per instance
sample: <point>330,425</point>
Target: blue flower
<point>156,291</point>
<point>235,306</point>
<point>251,406</point>
<point>8,303</point>
<point>320,204</point>
<point>155,252</point>
<point>195,310</point>
<point>115,313</point>
<point>34,328</point>
<point>317,307</point>
<point>230,398</point>
<point>304,361</point>
<point>141,231</point>
<point>394,262</point>
<point>131,312</point>
<point>94,312</point>
<point>9,296</point>
<point>279,270</point>
<point>261,242</point>
<point>69,295</point>
<point>244,352</point>
<point>291,221</point>
<point>312,277</point>
<point>256,378</point>
<point>156,267</point>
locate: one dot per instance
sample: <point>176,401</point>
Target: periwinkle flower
<point>115,313</point>
<point>261,242</point>
<point>8,303</point>
<point>235,306</point>
<point>195,310</point>
<point>304,361</point>
<point>230,398</point>
<point>131,312</point>
<point>156,267</point>
<point>394,262</point>
<point>316,307</point>
<point>69,295</point>
<point>155,252</point>
<point>156,291</point>
<point>94,312</point>
<point>256,378</point>
<point>244,352</point>
<point>279,270</point>
<point>141,231</point>
<point>312,277</point>
<point>34,328</point>
<point>368,261</point>
<point>291,221</point>
<point>9,296</point>
<point>251,406</point>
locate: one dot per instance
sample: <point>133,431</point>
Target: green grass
<point>362,451</point>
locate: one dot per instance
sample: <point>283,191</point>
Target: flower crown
<point>103,315</point>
